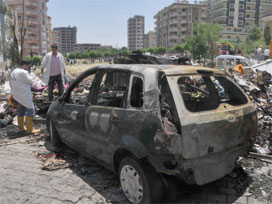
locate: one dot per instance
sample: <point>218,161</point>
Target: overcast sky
<point>103,21</point>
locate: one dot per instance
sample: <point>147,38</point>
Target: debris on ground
<point>258,86</point>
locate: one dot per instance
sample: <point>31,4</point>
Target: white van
<point>230,61</point>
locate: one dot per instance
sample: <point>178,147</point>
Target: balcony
<point>33,30</point>
<point>175,29</point>
<point>173,22</point>
<point>173,14</point>
<point>32,21</point>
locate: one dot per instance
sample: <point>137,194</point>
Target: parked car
<point>147,121</point>
<point>230,61</point>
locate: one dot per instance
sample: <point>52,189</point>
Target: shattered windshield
<point>203,93</point>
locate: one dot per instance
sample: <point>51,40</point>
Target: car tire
<point>139,181</point>
<point>54,135</point>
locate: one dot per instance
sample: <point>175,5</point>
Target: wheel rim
<point>131,184</point>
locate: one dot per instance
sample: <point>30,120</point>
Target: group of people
<point>258,52</point>
<point>52,72</point>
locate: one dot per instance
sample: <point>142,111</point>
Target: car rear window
<point>203,93</point>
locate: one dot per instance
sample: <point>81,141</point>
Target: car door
<point>72,117</point>
<point>104,119</point>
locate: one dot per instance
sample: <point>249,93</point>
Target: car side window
<point>220,62</point>
<point>136,96</point>
<point>113,89</point>
<point>80,93</point>
<point>230,62</point>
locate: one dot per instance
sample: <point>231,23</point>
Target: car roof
<point>230,57</point>
<point>167,69</point>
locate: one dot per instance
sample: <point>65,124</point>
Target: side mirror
<point>87,103</point>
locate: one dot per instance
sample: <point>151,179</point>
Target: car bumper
<point>200,170</point>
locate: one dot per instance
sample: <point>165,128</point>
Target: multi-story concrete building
<point>267,18</point>
<point>86,47</point>
<point>3,33</point>
<point>33,14</point>
<point>136,27</point>
<point>174,23</point>
<point>150,40</point>
<point>236,17</point>
<point>67,38</point>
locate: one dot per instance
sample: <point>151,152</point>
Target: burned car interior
<point>113,89</point>
<point>203,92</point>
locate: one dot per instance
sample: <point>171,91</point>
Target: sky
<point>103,21</point>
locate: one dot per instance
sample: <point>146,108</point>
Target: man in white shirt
<point>55,70</point>
<point>259,53</point>
<point>20,81</point>
<point>266,54</point>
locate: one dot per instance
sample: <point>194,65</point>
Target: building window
<point>241,6</point>
<point>231,5</point>
<point>240,23</point>
<point>231,13</point>
<point>241,14</point>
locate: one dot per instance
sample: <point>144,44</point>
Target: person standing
<point>20,81</point>
<point>256,53</point>
<point>3,79</point>
<point>259,53</point>
<point>55,71</point>
<point>266,54</point>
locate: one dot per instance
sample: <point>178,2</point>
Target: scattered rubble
<point>258,86</point>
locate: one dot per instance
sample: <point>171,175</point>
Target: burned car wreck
<point>145,121</point>
<point>139,58</point>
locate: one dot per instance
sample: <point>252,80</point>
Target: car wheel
<point>54,135</point>
<point>139,181</point>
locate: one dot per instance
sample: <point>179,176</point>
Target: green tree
<point>160,50</point>
<point>36,60</point>
<point>73,55</point>
<point>92,54</point>
<point>267,35</point>
<point>178,49</point>
<point>84,55</point>
<point>254,34</point>
<point>203,41</point>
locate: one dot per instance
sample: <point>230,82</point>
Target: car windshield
<point>203,93</point>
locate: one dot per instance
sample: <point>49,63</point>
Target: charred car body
<point>144,121</point>
<point>139,58</point>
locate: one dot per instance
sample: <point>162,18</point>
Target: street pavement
<point>22,180</point>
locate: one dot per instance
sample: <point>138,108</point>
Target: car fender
<point>134,145</point>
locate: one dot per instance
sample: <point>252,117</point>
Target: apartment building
<point>150,40</point>
<point>236,17</point>
<point>174,23</point>
<point>3,33</point>
<point>67,38</point>
<point>136,27</point>
<point>33,14</point>
<point>86,47</point>
<point>267,18</point>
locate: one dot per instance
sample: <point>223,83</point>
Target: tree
<point>160,50</point>
<point>14,53</point>
<point>178,49</point>
<point>203,41</point>
<point>254,34</point>
<point>92,54</point>
<point>267,35</point>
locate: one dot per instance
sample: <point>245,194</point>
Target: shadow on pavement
<point>226,190</point>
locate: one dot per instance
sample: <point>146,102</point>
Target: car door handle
<point>114,118</point>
